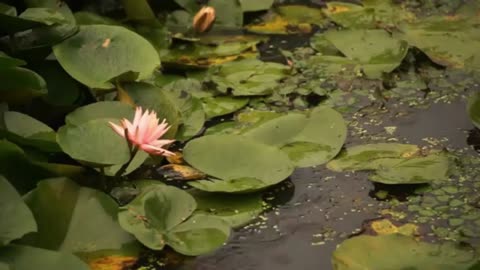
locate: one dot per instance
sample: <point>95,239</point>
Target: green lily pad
<point>46,16</point>
<point>371,14</point>
<point>474,109</point>
<point>30,42</point>
<point>100,110</point>
<point>241,164</point>
<point>447,42</point>
<point>63,227</point>
<point>100,53</point>
<point>94,142</point>
<point>88,18</point>
<point>162,215</point>
<point>20,84</point>
<point>26,130</point>
<point>397,251</point>
<point>248,77</point>
<point>53,4</point>
<point>193,116</point>
<point>22,172</point>
<point>221,105</point>
<point>10,62</point>
<point>30,18</point>
<point>200,234</point>
<point>199,55</point>
<point>374,51</point>
<point>154,98</point>
<point>414,170</point>
<point>371,156</point>
<point>23,258</point>
<point>307,141</point>
<point>236,210</point>
<point>17,219</point>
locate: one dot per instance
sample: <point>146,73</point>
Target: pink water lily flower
<point>145,132</point>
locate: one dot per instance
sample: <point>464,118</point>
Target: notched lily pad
<point>100,53</point>
<point>162,215</point>
<point>239,164</point>
<point>247,77</point>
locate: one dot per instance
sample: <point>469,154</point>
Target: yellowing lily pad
<point>395,251</point>
<point>290,19</point>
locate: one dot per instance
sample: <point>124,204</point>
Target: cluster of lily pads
<point>65,75</point>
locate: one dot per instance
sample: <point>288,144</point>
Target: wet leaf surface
<point>225,156</point>
<point>400,252</point>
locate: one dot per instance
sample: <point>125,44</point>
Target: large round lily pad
<point>94,142</point>
<point>240,163</point>
<point>99,53</point>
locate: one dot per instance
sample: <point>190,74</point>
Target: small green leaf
<point>100,53</point>
<point>16,219</point>
<point>94,142</point>
<point>221,105</point>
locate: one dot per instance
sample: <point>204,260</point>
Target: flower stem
<point>133,152</point>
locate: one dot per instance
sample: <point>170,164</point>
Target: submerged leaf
<point>237,210</point>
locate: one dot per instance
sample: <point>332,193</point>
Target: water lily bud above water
<point>204,19</point>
